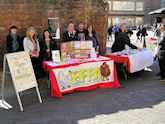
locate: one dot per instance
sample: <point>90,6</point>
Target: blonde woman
<point>31,45</point>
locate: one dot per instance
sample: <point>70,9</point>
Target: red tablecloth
<point>55,90</point>
<point>121,59</point>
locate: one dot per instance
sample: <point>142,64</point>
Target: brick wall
<point>25,13</point>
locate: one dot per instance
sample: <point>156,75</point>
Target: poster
<point>56,56</point>
<point>53,27</point>
<point>21,70</point>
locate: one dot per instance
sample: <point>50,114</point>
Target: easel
<point>7,69</point>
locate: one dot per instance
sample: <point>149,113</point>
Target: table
<point>135,60</point>
<point>81,75</point>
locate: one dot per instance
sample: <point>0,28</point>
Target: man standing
<point>144,34</point>
<point>69,34</point>
<point>110,29</point>
<point>80,32</point>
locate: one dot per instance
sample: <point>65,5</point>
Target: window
<point>163,3</point>
<point>139,20</point>
<point>123,5</point>
<point>139,6</point>
<point>127,21</point>
<point>109,21</point>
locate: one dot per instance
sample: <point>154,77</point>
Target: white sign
<point>56,56</point>
<point>84,75</point>
<point>22,73</point>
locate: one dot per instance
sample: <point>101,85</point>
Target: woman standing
<point>46,46</point>
<point>92,35</point>
<point>31,45</point>
<point>13,40</point>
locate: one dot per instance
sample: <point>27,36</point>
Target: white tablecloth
<point>140,60</point>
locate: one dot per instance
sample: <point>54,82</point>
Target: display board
<point>21,70</point>
<point>75,49</point>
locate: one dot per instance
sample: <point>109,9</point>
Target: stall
<point>81,75</point>
<point>134,60</point>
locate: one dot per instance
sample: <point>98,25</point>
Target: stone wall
<point>25,13</point>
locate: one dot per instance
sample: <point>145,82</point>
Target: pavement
<point>141,101</point>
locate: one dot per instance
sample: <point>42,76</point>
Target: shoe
<point>161,79</point>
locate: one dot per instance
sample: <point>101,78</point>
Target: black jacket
<point>144,31</point>
<point>80,32</point>
<point>120,43</point>
<point>43,47</point>
<point>9,43</point>
<point>162,44</point>
<point>67,38</point>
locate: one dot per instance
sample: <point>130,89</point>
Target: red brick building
<point>57,13</point>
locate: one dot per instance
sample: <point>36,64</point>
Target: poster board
<point>21,70</point>
<point>56,56</point>
<point>75,49</point>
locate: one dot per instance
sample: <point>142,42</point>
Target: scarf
<point>15,44</point>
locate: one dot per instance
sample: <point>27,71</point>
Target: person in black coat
<point>122,40</point>
<point>80,32</point>
<point>144,34</point>
<point>120,31</point>
<point>46,46</point>
<point>93,36</point>
<point>161,55</point>
<point>110,29</point>
<point>138,34</point>
<point>69,34</point>
<point>13,41</point>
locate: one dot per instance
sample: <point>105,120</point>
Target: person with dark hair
<point>161,55</point>
<point>120,31</point>
<point>80,32</point>
<point>138,34</point>
<point>122,40</point>
<point>69,34</point>
<point>143,35</point>
<point>110,29</point>
<point>93,36</point>
<point>13,41</point>
<point>46,46</point>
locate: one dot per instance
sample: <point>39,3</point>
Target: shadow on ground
<point>141,90</point>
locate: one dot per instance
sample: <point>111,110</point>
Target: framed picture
<point>53,27</point>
